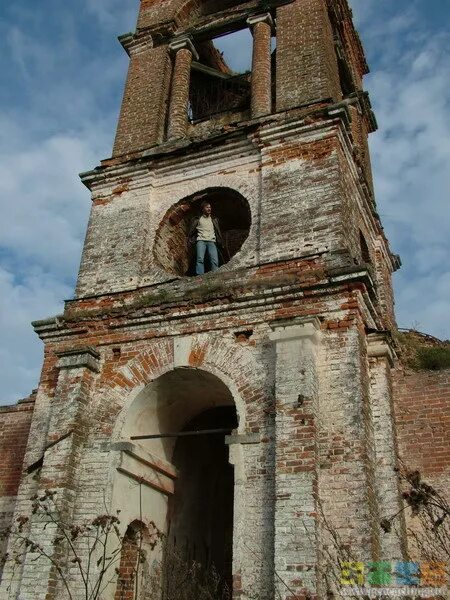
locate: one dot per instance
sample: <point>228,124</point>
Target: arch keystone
<point>182,351</point>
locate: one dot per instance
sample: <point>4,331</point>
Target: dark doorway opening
<point>201,510</point>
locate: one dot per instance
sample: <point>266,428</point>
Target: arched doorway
<point>179,410</point>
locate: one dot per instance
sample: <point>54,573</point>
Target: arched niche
<point>134,571</point>
<point>171,249</point>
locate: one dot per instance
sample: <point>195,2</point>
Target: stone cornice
<point>261,18</point>
<point>300,116</point>
<point>79,358</point>
<point>295,329</point>
<point>133,43</point>
<point>272,128</point>
<point>379,345</point>
<point>258,302</point>
<point>183,43</point>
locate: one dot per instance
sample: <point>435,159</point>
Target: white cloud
<point>20,351</point>
<point>112,12</point>
<point>45,201</point>
<point>41,239</point>
<point>62,123</point>
<point>411,154</point>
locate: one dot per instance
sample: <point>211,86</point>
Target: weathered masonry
<point>287,347</point>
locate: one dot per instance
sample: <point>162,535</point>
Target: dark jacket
<point>192,236</point>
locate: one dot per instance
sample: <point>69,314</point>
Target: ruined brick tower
<point>287,346</point>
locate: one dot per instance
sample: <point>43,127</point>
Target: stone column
<point>184,52</point>
<point>296,394</point>
<point>261,26</point>
<point>58,466</point>
<point>386,481</point>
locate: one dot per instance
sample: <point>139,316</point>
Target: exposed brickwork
<point>15,424</point>
<point>360,131</point>
<point>129,563</point>
<point>386,485</point>
<point>262,67</point>
<point>422,411</point>
<point>307,68</point>
<point>183,12</point>
<point>144,107</point>
<point>178,110</point>
<point>348,39</point>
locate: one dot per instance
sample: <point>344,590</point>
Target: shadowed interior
<point>201,511</point>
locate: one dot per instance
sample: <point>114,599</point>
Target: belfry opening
<point>187,413</point>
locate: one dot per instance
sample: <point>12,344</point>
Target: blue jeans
<point>203,248</point>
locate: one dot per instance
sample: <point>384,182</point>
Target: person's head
<point>206,208</point>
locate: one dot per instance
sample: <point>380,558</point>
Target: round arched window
<point>172,250</point>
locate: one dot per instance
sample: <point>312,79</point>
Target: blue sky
<point>62,80</point>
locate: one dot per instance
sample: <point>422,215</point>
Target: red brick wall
<point>130,561</point>
<point>307,69</point>
<point>306,61</point>
<point>142,118</point>
<point>15,424</point>
<point>422,412</point>
<point>127,569</point>
<point>360,132</point>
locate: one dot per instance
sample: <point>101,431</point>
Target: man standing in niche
<point>206,235</point>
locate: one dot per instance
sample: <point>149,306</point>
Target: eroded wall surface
<point>15,424</point>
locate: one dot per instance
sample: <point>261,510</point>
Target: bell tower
<point>286,348</point>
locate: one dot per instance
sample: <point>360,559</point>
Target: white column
<point>296,394</point>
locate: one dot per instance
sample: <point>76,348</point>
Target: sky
<point>63,72</point>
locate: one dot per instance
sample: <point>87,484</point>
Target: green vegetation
<point>434,359</point>
<point>424,352</point>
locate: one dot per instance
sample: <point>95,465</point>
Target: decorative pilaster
<point>261,27</point>
<point>381,360</point>
<point>296,394</point>
<point>68,429</point>
<point>184,52</point>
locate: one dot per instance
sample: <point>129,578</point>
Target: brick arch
<point>182,12</point>
<point>171,248</point>
<point>222,357</point>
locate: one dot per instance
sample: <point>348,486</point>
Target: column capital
<point>262,18</point>
<point>183,43</point>
<point>80,358</point>
<point>378,346</point>
<point>296,329</point>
